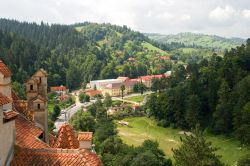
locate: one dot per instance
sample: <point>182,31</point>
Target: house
<point>165,57</point>
<point>99,84</point>
<point>58,89</point>
<point>114,89</point>
<point>147,80</point>
<point>24,137</point>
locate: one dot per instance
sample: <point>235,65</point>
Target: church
<point>24,136</point>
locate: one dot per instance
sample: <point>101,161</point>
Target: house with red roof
<point>147,80</point>
<point>58,89</point>
<point>165,57</point>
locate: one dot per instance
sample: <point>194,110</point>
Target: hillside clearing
<point>143,128</point>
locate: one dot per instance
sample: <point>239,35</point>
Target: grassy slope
<point>145,128</point>
<point>153,48</point>
<point>208,41</point>
<point>139,98</point>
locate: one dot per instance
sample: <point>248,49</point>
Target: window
<point>40,79</point>
<point>31,87</point>
<point>38,106</point>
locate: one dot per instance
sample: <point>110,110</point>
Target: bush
<point>56,112</point>
<point>83,97</point>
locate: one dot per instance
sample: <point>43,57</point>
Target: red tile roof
<point>21,106</point>
<point>4,69</point>
<point>27,134</point>
<point>53,157</point>
<point>166,57</point>
<point>66,138</point>
<point>58,88</point>
<point>4,100</point>
<point>85,136</point>
<point>9,115</point>
<point>150,77</point>
<point>92,92</point>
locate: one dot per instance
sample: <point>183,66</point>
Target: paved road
<point>67,113</point>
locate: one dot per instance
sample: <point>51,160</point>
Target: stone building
<point>36,90</point>
<point>7,115</point>
<point>24,129</point>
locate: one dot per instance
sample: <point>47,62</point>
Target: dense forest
<point>73,54</point>
<point>213,94</point>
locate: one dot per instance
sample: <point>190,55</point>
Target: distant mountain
<point>198,40</point>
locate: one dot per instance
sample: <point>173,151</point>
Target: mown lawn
<point>139,98</point>
<point>142,128</point>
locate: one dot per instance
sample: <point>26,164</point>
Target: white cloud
<point>222,14</point>
<point>246,14</point>
<point>165,15</point>
<point>185,17</point>
<point>220,17</point>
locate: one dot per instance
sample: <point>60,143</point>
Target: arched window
<point>31,87</point>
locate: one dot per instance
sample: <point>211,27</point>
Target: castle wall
<point>7,138</point>
<point>5,85</point>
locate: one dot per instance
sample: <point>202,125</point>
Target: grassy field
<point>144,128</point>
<point>153,48</point>
<point>139,98</point>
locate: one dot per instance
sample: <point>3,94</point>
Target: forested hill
<point>78,53</point>
<point>198,40</point>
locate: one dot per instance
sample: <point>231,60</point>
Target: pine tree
<point>196,151</point>
<point>223,114</point>
<point>193,111</point>
<point>122,90</point>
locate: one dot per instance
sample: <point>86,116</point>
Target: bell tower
<point>36,90</point>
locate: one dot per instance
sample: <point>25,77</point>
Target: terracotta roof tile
<point>4,100</point>
<point>27,134</point>
<point>9,115</point>
<point>92,92</point>
<point>58,88</point>
<point>85,136</point>
<point>53,157</point>
<point>21,106</point>
<point>4,69</point>
<point>150,77</point>
<point>66,138</point>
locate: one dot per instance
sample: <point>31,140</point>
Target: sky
<point>228,18</point>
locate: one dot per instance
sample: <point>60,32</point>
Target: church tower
<point>36,90</point>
